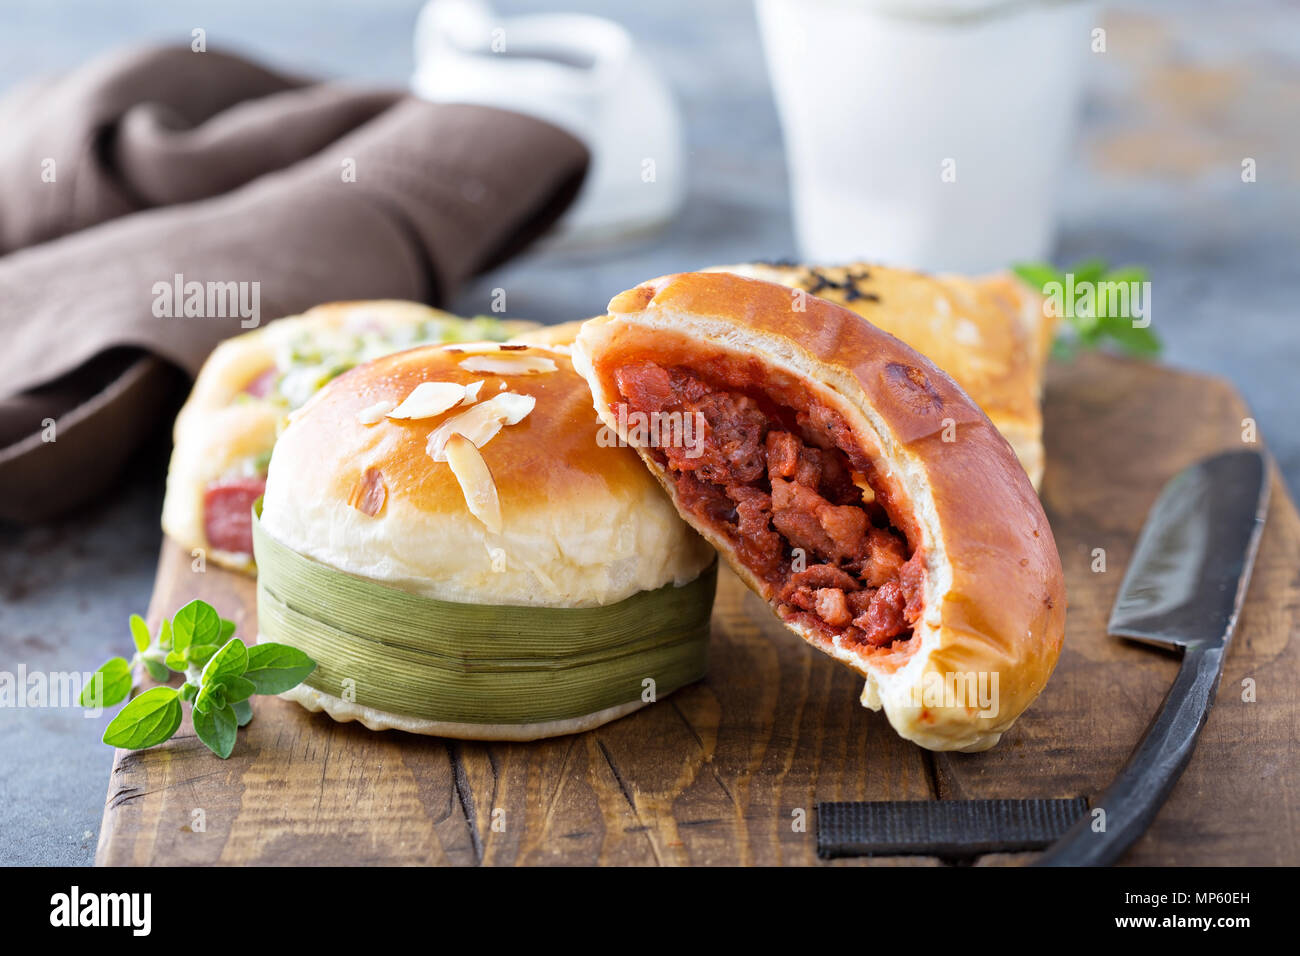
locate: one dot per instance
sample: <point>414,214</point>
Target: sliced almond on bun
<point>509,363</point>
<point>481,422</point>
<point>429,399</point>
<point>475,480</point>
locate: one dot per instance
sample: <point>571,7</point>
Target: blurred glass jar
<point>929,133</point>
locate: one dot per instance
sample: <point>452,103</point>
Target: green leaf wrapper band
<point>472,663</point>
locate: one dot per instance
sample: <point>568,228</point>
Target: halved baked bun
<point>989,333</point>
<point>850,483</point>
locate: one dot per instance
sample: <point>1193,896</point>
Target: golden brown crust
<point>551,455</point>
<point>989,333</point>
<point>583,524</point>
<point>561,335</point>
<point>994,593</point>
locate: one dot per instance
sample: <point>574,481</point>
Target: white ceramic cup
<point>931,133</point>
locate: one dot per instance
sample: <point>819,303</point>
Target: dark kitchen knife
<point>1183,589</point>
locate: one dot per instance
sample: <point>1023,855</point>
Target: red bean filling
<point>780,484</point>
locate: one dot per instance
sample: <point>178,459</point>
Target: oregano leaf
<point>149,719</point>
<point>157,670</point>
<point>139,632</point>
<point>196,623</point>
<point>216,727</point>
<point>114,680</point>
<point>200,654</point>
<point>232,658</point>
<point>275,668</point>
<point>238,688</point>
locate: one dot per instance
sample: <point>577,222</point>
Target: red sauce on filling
<point>782,478</point>
<point>228,513</point>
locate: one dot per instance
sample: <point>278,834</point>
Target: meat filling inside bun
<point>781,477</point>
<point>850,483</point>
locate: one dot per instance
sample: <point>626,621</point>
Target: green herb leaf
<point>1037,274</point>
<point>216,727</point>
<point>195,636</point>
<point>1094,326</point>
<point>115,684</point>
<point>200,654</point>
<point>1089,270</point>
<point>156,670</point>
<point>147,720</point>
<point>165,635</point>
<point>211,697</point>
<point>238,688</point>
<point>231,659</point>
<point>1127,274</point>
<point>196,623</point>
<point>139,632</point>
<point>1137,341</point>
<point>275,668</point>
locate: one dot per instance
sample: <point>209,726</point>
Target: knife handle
<point>1132,801</point>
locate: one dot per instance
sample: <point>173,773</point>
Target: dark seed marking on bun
<point>816,281</point>
<point>913,388</point>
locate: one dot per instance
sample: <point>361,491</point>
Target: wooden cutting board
<point>720,772</point>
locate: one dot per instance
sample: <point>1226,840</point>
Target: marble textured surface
<point>1185,91</point>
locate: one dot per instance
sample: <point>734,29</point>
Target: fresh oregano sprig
<point>221,674</point>
<point>1095,325</point>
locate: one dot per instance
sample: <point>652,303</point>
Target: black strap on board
<point>944,828</point>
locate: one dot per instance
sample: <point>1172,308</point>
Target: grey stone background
<point>1186,90</point>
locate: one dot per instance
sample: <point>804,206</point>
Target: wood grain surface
<point>721,772</point>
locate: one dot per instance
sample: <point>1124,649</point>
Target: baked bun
<point>225,432</point>
<point>578,523</point>
<point>991,333</point>
<point>850,483</point>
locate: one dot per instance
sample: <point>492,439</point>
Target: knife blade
<point>1183,588</point>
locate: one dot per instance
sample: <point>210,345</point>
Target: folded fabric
<point>198,194</point>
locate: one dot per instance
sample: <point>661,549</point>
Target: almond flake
<point>375,413</point>
<point>481,422</point>
<point>370,493</point>
<point>475,480</point>
<point>508,364</point>
<point>471,392</point>
<point>428,399</point>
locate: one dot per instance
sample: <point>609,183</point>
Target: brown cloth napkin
<point>204,166</point>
